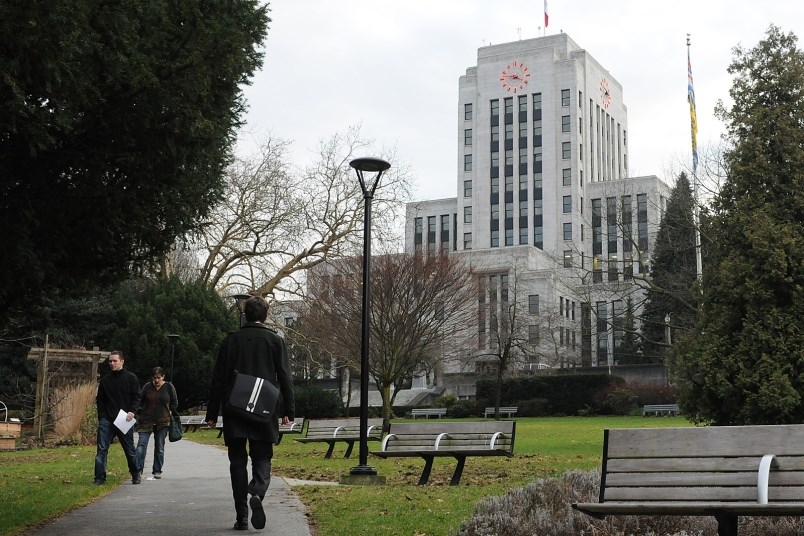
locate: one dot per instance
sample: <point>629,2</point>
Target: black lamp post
<point>361,165</point>
<point>240,298</point>
<point>173,338</point>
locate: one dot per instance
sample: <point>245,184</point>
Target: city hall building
<point>545,211</point>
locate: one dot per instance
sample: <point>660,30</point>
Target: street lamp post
<point>240,298</point>
<point>370,165</point>
<point>173,338</point>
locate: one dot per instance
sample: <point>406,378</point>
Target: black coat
<point>256,350</point>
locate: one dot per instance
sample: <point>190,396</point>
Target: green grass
<point>39,484</point>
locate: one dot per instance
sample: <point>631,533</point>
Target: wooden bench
<point>294,427</point>
<point>426,412</point>
<point>191,423</point>
<point>333,431</point>
<point>724,472</point>
<point>508,411</point>
<point>659,409</point>
<point>450,439</point>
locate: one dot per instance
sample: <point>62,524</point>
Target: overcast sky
<point>393,68</point>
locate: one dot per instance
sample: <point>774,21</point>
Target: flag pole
<point>694,133</point>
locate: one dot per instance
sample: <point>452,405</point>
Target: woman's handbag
<point>174,434</point>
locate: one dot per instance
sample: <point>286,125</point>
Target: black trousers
<point>261,453</point>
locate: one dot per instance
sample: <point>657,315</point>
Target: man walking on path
<point>117,391</point>
<point>256,350</point>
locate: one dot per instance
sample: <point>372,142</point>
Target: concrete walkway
<point>192,497</point>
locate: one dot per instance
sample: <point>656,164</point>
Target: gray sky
<point>393,68</point>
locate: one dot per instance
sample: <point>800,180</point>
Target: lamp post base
<point>363,475</point>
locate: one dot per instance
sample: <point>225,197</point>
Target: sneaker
<point>136,478</point>
<point>98,482</point>
<point>241,524</point>
<point>257,513</point>
<point>157,475</point>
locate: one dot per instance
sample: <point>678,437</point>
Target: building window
<point>467,112</point>
<point>467,188</point>
<point>495,107</point>
<point>626,224</point>
<point>565,97</point>
<point>509,237</point>
<point>611,223</point>
<point>418,224</point>
<point>523,156</point>
<point>509,105</point>
<point>566,148</point>
<point>523,235</point>
<point>523,208</point>
<point>509,210</point>
<point>467,214</point>
<point>566,177</point>
<point>467,162</point>
<point>537,207</point>
<point>523,183</point>
<point>533,334</point>
<point>495,159</point>
<point>495,211</point>
<point>495,133</point>
<point>523,130</point>
<point>495,185</point>
<point>509,131</point>
<point>495,239</point>
<point>509,183</point>
<point>565,123</point>
<point>523,104</point>
<point>538,236</point>
<point>533,304</point>
<point>537,135</point>
<point>467,240</point>
<point>567,258</point>
<point>567,231</point>
<point>467,136</point>
<point>602,334</point>
<point>613,275</point>
<point>509,157</point>
<point>642,221</point>
<point>567,204</point>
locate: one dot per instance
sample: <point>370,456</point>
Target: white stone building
<point>544,203</point>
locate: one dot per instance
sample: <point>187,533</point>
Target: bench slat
<point>690,508</point>
<point>719,440</point>
<point>746,478</point>
<point>727,494</point>
<point>740,463</point>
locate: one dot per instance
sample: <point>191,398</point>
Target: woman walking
<point>157,400</point>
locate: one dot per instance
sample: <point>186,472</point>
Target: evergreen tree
<point>116,123</point>
<point>630,349</point>
<point>673,275</point>
<point>742,364</point>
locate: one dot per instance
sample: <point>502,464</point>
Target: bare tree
<point>416,301</point>
<point>275,221</point>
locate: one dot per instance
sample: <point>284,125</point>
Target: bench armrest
<point>384,445</point>
<point>368,430</point>
<point>494,438</point>
<point>765,464</point>
<point>336,430</point>
<point>438,439</point>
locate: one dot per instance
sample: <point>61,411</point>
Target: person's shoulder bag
<point>251,398</point>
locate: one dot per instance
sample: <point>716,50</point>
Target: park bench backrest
<point>712,464</point>
<point>461,435</point>
<point>328,428</point>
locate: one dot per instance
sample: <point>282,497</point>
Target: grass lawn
<point>39,484</point>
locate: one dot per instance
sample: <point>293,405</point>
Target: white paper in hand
<point>122,423</point>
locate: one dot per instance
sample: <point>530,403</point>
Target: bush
<point>464,408</point>
<point>317,403</point>
<point>535,407</point>
<point>444,401</point>
<point>542,508</point>
<point>619,401</point>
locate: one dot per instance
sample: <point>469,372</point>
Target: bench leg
<point>281,435</point>
<point>220,432</point>
<point>330,449</point>
<point>428,467</point>
<point>726,524</point>
<point>349,449</point>
<point>456,476</point>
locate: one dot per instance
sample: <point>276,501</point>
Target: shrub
<point>619,401</point>
<point>543,507</point>
<point>464,408</point>
<point>316,403</point>
<point>535,407</point>
<point>445,401</point>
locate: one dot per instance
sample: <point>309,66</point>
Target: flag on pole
<point>545,14</point>
<point>693,117</point>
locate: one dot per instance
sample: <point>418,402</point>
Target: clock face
<point>605,94</point>
<point>514,77</point>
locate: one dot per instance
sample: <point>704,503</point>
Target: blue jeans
<point>106,432</point>
<point>159,449</point>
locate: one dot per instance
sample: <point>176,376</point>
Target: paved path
<point>192,497</point>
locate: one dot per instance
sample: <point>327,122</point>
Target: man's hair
<point>118,353</point>
<point>256,309</point>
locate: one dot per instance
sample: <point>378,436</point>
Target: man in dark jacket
<point>256,350</point>
<point>117,391</point>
